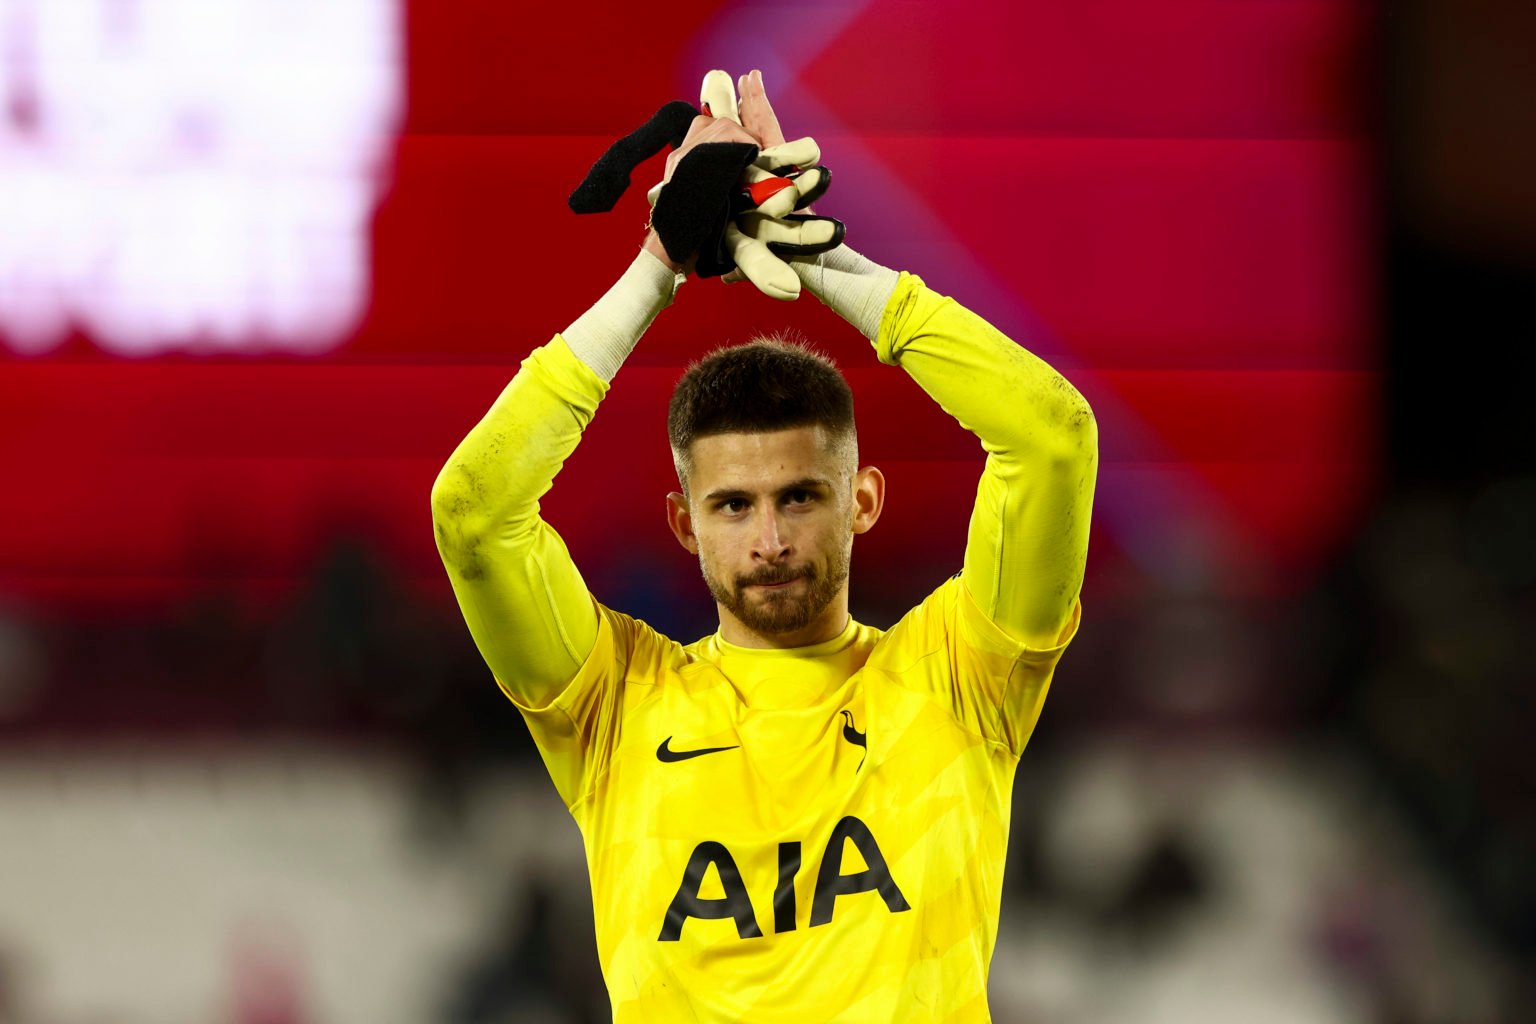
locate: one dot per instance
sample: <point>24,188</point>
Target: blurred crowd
<point>1312,808</point>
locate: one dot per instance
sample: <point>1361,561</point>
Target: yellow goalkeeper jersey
<point>808,834</point>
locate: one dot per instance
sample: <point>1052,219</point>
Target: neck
<point>832,621</point>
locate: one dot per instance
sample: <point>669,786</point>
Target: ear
<point>680,520</point>
<point>868,498</point>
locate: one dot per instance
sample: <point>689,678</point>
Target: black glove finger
<point>793,234</point>
<point>609,176</point>
<point>812,191</point>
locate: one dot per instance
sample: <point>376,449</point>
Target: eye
<point>800,496</point>
<point>733,505</point>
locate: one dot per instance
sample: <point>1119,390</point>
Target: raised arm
<point>1028,539</point>
<point>525,602</point>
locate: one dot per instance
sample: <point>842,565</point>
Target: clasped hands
<point>727,201</point>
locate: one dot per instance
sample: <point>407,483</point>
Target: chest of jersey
<point>819,836</point>
<point>722,822</point>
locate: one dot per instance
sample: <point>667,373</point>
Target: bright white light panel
<point>192,175</point>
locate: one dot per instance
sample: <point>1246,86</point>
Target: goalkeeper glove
<point>713,186</point>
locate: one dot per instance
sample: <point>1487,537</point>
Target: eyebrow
<point>803,484</point>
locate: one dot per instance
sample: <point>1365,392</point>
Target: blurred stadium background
<point>262,264</point>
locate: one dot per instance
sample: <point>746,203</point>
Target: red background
<point>1167,200</point>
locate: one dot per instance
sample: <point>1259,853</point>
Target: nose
<point>770,545</point>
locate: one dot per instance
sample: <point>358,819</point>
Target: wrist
<point>653,246</point>
<point>605,334</point>
<point>853,286</point>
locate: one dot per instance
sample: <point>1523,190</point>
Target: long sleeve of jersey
<point>1028,538</point>
<point>523,598</point>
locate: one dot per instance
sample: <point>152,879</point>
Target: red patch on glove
<point>762,191</point>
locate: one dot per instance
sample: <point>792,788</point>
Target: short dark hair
<point>770,383</point>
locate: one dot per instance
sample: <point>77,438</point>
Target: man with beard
<point>799,817</point>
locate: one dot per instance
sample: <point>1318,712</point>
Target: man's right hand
<point>704,129</point>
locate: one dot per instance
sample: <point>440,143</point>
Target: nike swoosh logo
<point>666,753</point>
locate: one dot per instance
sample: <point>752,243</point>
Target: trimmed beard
<point>778,611</point>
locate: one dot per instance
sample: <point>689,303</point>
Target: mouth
<point>782,584</point>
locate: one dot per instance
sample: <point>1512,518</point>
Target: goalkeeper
<point>799,817</point>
